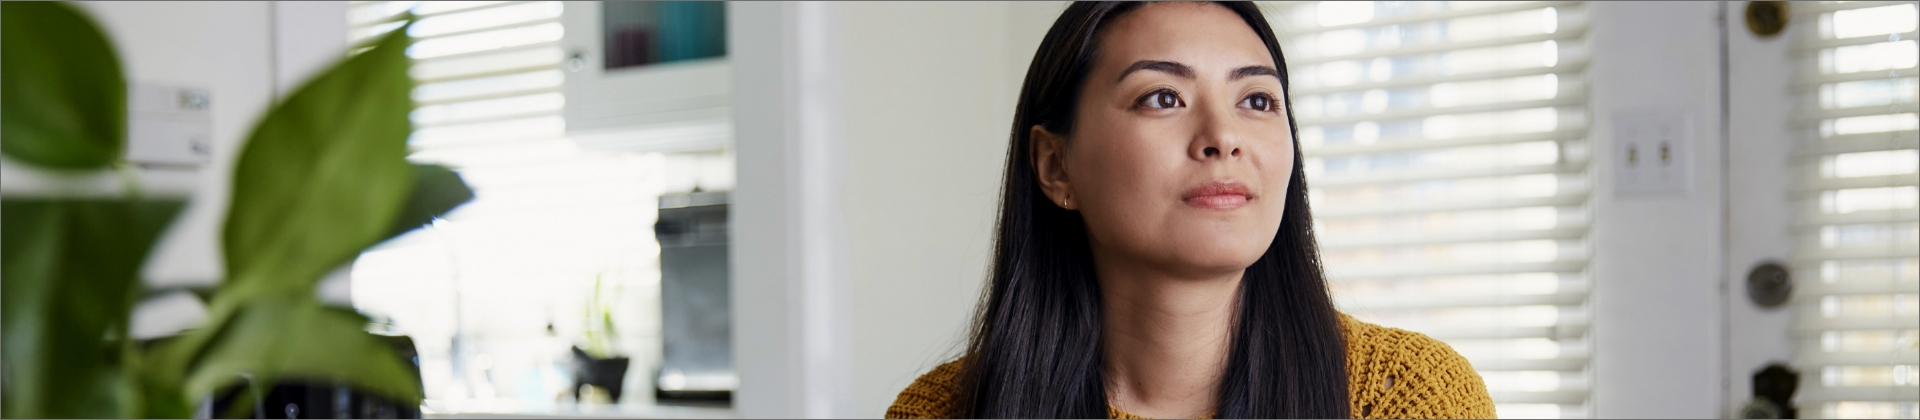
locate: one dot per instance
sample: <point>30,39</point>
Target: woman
<point>1155,255</point>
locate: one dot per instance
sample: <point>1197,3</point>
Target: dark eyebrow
<point>1185,72</point>
<point>1168,67</point>
<point>1243,72</point>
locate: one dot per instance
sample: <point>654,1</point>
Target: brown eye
<point>1162,99</point>
<point>1258,102</point>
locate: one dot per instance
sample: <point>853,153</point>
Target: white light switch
<point>1651,153</point>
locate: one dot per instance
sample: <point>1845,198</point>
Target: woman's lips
<point>1218,195</point>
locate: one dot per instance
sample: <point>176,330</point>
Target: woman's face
<point>1180,155</point>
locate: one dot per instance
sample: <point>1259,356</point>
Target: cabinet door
<point>637,80</point>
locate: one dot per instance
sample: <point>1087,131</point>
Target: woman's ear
<point>1050,166</point>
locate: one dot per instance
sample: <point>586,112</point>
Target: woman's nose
<point>1217,137</point>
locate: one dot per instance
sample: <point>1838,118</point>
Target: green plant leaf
<point>66,100</point>
<point>322,177</point>
<point>436,191</point>
<point>297,338</point>
<point>161,399</point>
<point>70,273</point>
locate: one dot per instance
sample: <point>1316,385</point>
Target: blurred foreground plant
<point>322,177</point>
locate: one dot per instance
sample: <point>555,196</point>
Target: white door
<point>1821,181</point>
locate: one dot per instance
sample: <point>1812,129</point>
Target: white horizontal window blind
<point>495,293</point>
<point>1446,149</point>
<point>1856,264</point>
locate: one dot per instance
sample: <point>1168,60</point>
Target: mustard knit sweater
<point>1430,380</point>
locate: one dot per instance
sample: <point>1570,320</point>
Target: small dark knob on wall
<point>1766,18</point>
<point>1769,285</point>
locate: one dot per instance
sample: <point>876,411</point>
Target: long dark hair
<point>1034,349</point>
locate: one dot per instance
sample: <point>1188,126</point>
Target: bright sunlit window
<point>495,293</point>
<point>1858,322</point>
<point>1446,146</point>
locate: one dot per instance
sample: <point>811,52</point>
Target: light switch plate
<point>1652,153</point>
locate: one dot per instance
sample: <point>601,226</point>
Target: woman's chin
<point>1218,256</point>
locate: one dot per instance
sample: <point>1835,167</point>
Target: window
<point>1857,315</point>
<point>1445,143</point>
<point>496,292</point>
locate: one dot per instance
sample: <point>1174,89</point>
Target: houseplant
<point>322,176</point>
<point>600,364</point>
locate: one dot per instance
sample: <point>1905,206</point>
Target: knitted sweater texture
<point>1429,380</point>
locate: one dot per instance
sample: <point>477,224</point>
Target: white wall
<point>308,36</point>
<point>791,322</point>
<point>1657,267</point>
<point>930,96</point>
<point>245,54</point>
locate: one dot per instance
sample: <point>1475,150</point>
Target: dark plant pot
<point>309,399</point>
<point>606,373</point>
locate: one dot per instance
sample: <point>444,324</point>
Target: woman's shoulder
<point>1395,373</point>
<point>929,397</point>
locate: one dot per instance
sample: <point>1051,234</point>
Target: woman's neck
<point>1166,339</point>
